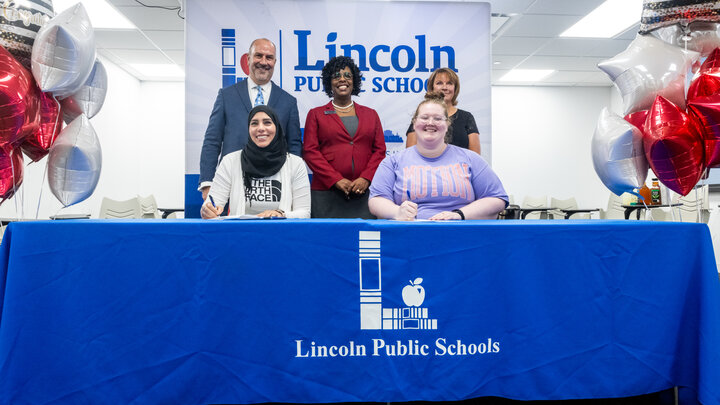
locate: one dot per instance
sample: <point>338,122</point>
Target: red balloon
<point>71,109</point>
<point>37,144</point>
<point>674,146</point>
<point>707,113</point>
<point>19,105</point>
<point>11,172</point>
<point>638,119</point>
<point>705,85</point>
<point>711,64</point>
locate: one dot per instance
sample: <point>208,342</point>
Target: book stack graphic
<point>228,57</point>
<point>372,314</point>
<point>407,318</point>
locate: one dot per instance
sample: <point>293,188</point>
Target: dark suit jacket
<point>330,152</point>
<point>227,130</point>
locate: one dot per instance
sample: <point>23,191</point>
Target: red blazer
<point>330,152</point>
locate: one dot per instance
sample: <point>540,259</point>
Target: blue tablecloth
<point>333,310</point>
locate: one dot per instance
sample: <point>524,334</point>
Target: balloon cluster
<point>68,83</point>
<point>674,132</point>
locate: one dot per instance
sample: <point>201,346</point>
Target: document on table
<point>245,216</point>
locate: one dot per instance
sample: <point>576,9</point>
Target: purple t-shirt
<point>445,183</point>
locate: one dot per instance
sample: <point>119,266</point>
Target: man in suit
<point>227,130</point>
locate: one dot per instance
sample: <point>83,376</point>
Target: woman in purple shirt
<point>434,180</point>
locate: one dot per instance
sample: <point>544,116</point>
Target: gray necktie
<point>259,99</point>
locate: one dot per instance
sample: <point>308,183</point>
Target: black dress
<point>463,123</point>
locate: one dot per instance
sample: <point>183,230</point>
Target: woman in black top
<point>463,131</point>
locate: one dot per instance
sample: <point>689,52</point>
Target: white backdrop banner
<point>396,45</point>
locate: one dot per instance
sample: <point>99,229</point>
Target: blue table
<point>191,312</point>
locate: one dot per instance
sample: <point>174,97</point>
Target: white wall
<point>141,133</point>
<point>541,141</point>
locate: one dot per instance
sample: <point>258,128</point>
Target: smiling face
<point>431,125</point>
<point>262,129</point>
<point>262,61</point>
<point>342,82</point>
<point>444,85</point>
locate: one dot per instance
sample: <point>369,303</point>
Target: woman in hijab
<point>262,179</point>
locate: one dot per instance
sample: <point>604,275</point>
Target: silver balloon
<point>699,36</point>
<point>649,67</point>
<point>91,96</point>
<point>64,52</point>
<point>74,162</point>
<point>617,153</point>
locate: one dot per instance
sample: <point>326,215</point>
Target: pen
<point>408,193</point>
<point>212,201</point>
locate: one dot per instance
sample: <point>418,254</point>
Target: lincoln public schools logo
<point>372,313</point>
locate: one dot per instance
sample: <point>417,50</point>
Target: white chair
<point>120,209</point>
<point>567,204</point>
<point>695,206</point>
<point>614,208</point>
<point>535,202</point>
<point>149,207</point>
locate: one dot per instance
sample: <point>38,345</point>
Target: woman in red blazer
<point>343,145</point>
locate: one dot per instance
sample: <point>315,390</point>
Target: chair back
<point>149,207</point>
<point>695,206</point>
<point>535,202</point>
<point>614,208</point>
<point>114,209</point>
<point>567,204</point>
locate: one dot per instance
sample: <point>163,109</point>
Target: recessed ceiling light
<point>159,70</point>
<point>102,14</point>
<point>607,20</point>
<point>526,75</point>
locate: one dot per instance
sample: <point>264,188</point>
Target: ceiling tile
<point>566,77</point>
<point>510,6</point>
<point>563,7</point>
<point>507,61</point>
<point>517,45</point>
<point>608,48</point>
<point>497,74</point>
<point>568,46</point>
<point>117,39</point>
<point>560,63</point>
<point>496,23</point>
<point>630,33</point>
<point>167,39</point>
<point>598,78</point>
<point>177,56</point>
<point>153,18</point>
<point>535,25</point>
<point>163,3</point>
<point>139,55</point>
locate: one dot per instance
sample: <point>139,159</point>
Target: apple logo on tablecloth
<point>414,294</point>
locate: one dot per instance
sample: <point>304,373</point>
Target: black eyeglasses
<point>346,75</point>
